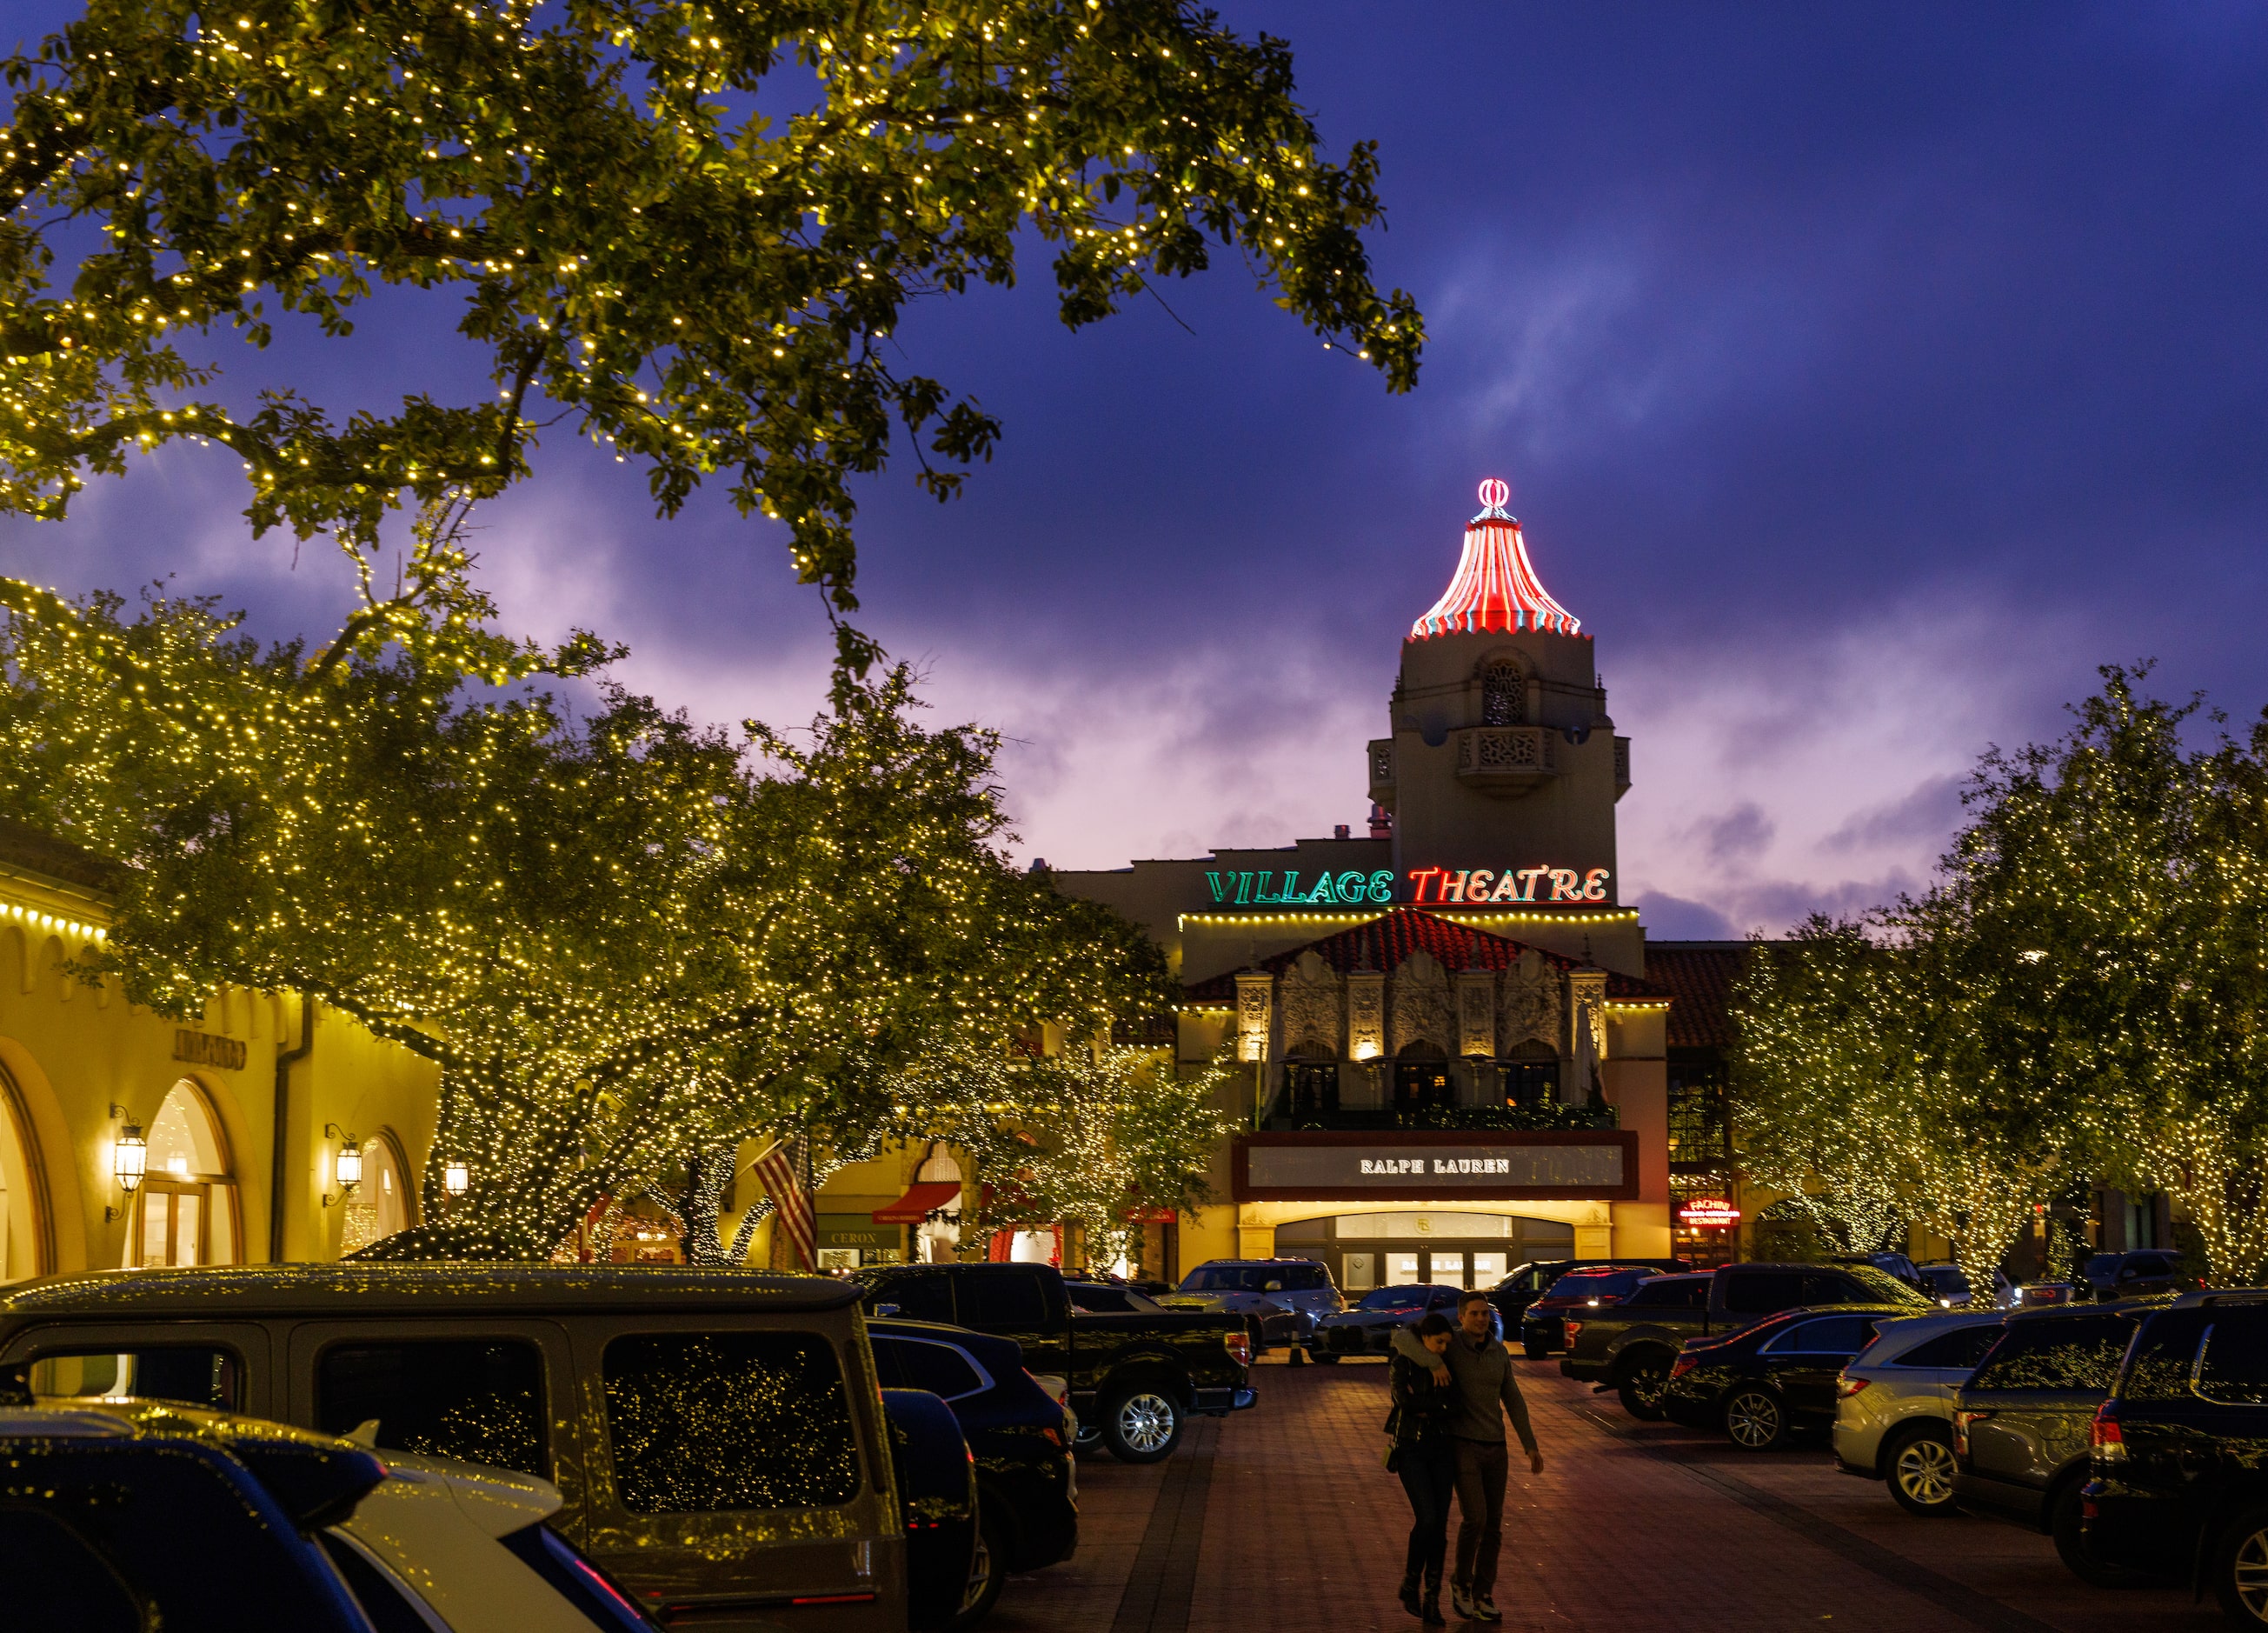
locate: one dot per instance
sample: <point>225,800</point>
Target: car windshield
<point>1883,1287</point>
<point>1599,1283</point>
<point>1395,1298</point>
<point>2104,1265</point>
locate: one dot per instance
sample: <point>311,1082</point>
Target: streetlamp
<point>347,1166</point>
<point>129,1159</point>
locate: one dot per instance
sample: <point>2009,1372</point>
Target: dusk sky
<point>1864,376</point>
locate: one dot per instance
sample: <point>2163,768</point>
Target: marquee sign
<point>1713,1213</point>
<point>1555,1164</point>
<point>1427,887</point>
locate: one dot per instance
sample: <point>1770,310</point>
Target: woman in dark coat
<point>1422,1454</point>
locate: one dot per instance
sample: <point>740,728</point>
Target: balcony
<point>1282,1118</point>
<point>1507,760</point>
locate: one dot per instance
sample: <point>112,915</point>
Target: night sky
<point>1864,376</point>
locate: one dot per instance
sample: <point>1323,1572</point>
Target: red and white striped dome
<point>1495,586</point>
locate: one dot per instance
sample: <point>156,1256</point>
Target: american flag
<point>791,1202</point>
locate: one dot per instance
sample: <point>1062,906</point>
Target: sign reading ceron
<point>204,1049</point>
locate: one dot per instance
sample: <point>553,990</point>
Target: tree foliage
<point>622,938</point>
<point>689,231</point>
<point>2082,994</point>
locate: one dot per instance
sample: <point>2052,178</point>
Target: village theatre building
<point>1421,1015</point>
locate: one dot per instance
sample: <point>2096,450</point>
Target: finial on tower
<point>1495,492</point>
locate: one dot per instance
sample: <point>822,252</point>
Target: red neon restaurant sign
<point>1709,1212</point>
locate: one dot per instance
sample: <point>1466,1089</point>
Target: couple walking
<point>1452,1387</point>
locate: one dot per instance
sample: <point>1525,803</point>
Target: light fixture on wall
<point>129,1159</point>
<point>347,1166</point>
<point>456,1178</point>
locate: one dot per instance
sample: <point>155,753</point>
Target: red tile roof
<point>1701,975</point>
<point>1384,942</point>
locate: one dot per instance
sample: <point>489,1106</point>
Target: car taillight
<point>1684,1365</point>
<point>2104,1436</point>
<point>1961,1422</point>
<point>1238,1344</point>
<point>1845,1387</point>
<point>1567,1331</point>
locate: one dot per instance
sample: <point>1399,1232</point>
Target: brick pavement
<point>1283,1518</point>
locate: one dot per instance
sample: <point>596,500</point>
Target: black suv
<point>2020,1423</point>
<point>2180,1486</point>
<point>2137,1273</point>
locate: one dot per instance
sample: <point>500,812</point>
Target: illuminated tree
<point>689,231</point>
<point>623,939</point>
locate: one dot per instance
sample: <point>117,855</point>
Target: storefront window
<point>381,1205</point>
<point>185,1212</point>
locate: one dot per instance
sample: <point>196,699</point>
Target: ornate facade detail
<point>1253,1008</point>
<point>1587,993</point>
<point>1529,1010</point>
<point>1307,1000</point>
<point>1421,1005</point>
<point>1476,1014</point>
<point>1366,991</point>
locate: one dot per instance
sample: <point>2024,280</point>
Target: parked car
<point>1135,1378</point>
<point>1103,1297</point>
<point>124,1520</point>
<point>2136,1274</point>
<point>1891,1264</point>
<point>709,1423</point>
<point>1542,1328</point>
<point>1948,1283</point>
<point>1526,1283</point>
<point>2178,1487</point>
<point>936,1478</point>
<point>1283,1298</point>
<point>1894,1404</point>
<point>1019,1433</point>
<point>1776,1374</point>
<point>2021,1424</point>
<point>1367,1328</point>
<point>1630,1347</point>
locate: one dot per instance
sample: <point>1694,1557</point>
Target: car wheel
<point>988,1573</point>
<point>1755,1421</point>
<point>1919,1469</point>
<point>2064,1524</point>
<point>1142,1425</point>
<point>1640,1390</point>
<point>2239,1570</point>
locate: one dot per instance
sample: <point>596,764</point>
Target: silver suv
<point>1286,1297</point>
<point>1893,1403</point>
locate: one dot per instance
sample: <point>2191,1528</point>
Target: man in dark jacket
<point>1487,1392</point>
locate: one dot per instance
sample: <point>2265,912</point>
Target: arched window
<point>1503,694</point>
<point>380,1204</point>
<point>22,1212</point>
<point>938,1241</point>
<point>1421,1079</point>
<point>185,1212</point>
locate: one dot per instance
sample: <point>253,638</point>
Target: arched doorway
<point>185,1212</point>
<point>1311,1088</point>
<point>938,1241</point>
<point>1421,1079</point>
<point>25,1251</point>
<point>381,1205</point>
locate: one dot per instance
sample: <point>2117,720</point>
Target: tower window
<point>1504,695</point>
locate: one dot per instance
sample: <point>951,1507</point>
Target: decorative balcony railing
<point>1284,1117</point>
<point>1506,759</point>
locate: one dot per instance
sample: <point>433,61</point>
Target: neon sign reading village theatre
<point>1467,885</point>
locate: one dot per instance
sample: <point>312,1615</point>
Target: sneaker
<point>1484,1608</point>
<point>1461,1601</point>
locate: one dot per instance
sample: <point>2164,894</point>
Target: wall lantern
<point>129,1159</point>
<point>347,1166</point>
<point>456,1178</point>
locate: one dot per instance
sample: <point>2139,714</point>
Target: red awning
<point>920,1201</point>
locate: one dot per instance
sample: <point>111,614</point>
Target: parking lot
<point>1284,1518</point>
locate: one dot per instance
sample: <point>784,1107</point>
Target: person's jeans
<point>1429,1473</point>
<point>1480,1470</point>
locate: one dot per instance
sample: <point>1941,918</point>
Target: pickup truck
<point>1629,1347</point>
<point>1136,1377</point>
